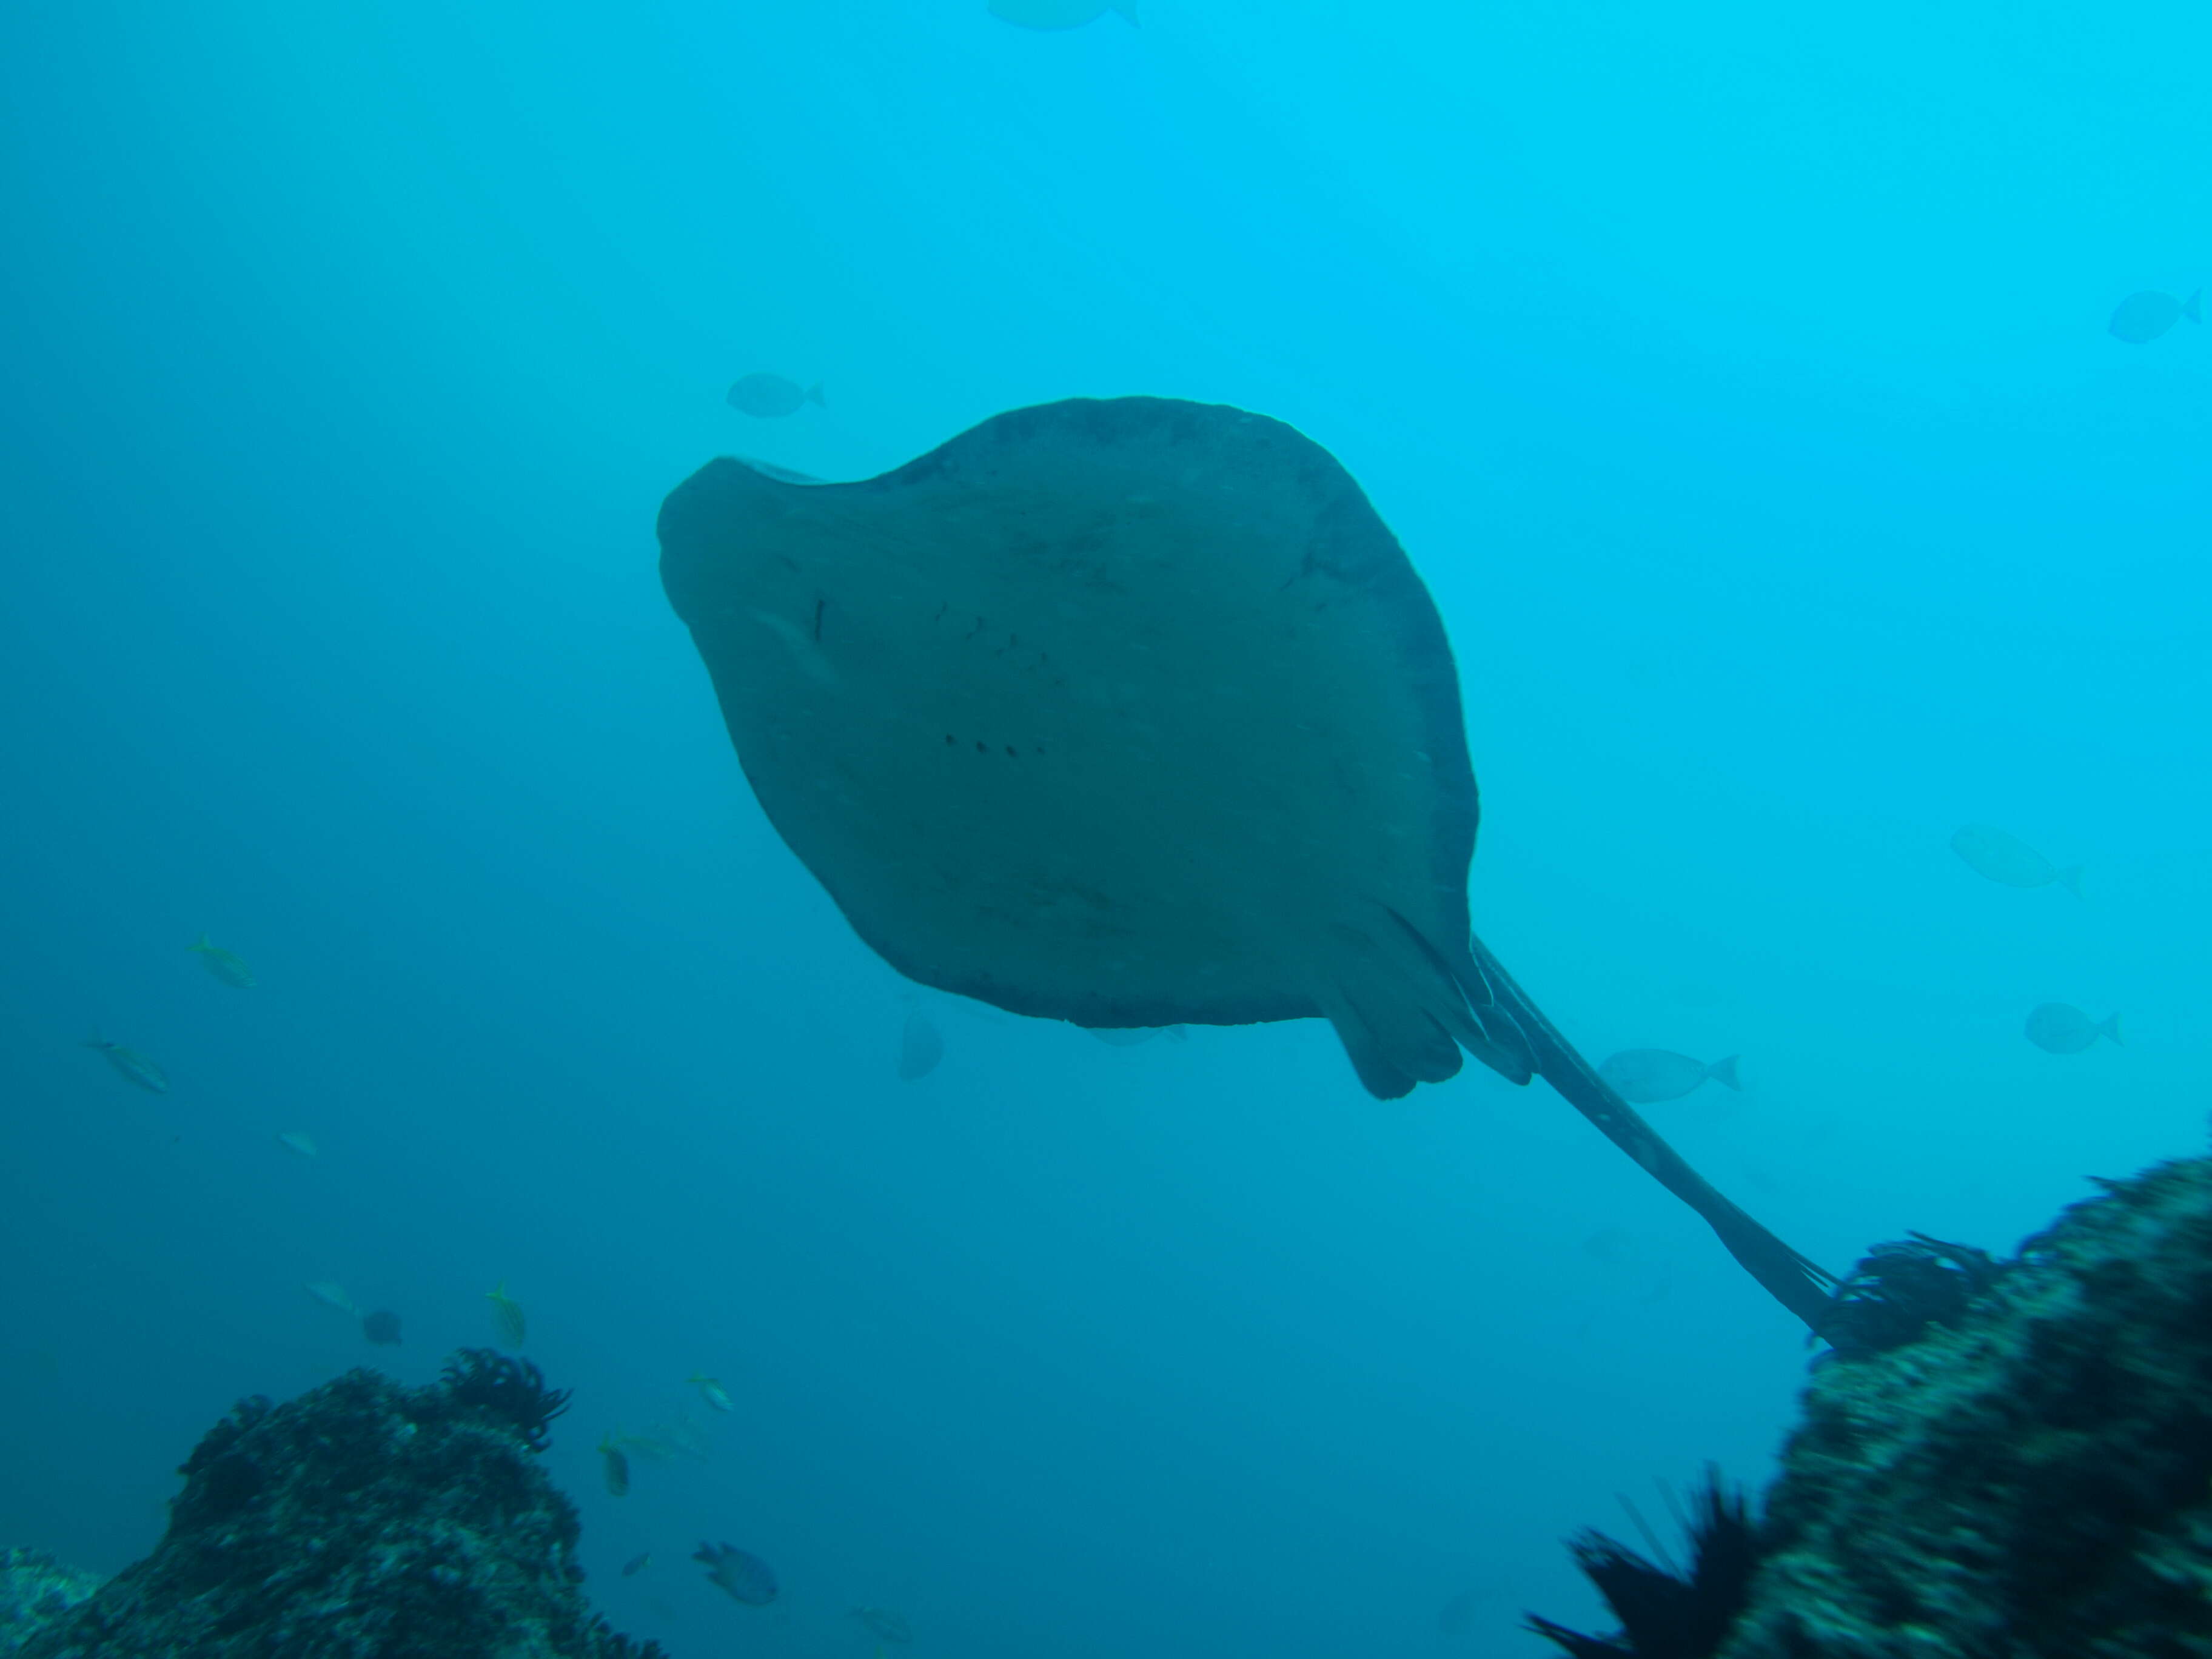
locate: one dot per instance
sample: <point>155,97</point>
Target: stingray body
<point>1127,713</point>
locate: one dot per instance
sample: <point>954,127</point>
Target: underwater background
<point>1741,387</point>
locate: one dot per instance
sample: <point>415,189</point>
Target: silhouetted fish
<point>2060,1028</point>
<point>2006,858</point>
<point>2141,318</point>
<point>920,1046</point>
<point>770,396</point>
<point>382,1329</point>
<point>1643,1075</point>
<point>743,1577</point>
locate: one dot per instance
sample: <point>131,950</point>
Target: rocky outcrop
<point>35,1590</point>
<point>361,1521</point>
<point>2001,1461</point>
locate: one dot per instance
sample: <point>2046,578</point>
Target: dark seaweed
<point>512,1389</point>
<point>1664,1614</point>
<point>1900,1289</point>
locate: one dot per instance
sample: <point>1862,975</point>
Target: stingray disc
<point>1127,713</point>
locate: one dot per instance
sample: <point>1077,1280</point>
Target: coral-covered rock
<point>36,1589</point>
<point>361,1520</point>
<point>2033,1479</point>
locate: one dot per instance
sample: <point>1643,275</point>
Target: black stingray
<point>1131,713</point>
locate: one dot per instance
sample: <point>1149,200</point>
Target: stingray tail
<point>1796,1282</point>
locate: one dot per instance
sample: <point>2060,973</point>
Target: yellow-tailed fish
<point>614,1467</point>
<point>298,1140</point>
<point>712,1391</point>
<point>332,1295</point>
<point>506,1316</point>
<point>225,965</point>
<point>134,1067</point>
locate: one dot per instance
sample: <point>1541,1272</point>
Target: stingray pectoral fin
<point>1796,1282</point>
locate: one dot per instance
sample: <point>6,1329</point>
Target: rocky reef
<point>361,1521</point>
<point>35,1590</point>
<point>2027,1476</point>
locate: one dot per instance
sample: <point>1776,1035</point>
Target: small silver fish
<point>134,1067</point>
<point>635,1565</point>
<point>712,1391</point>
<point>2141,318</point>
<point>2006,858</point>
<point>225,965</point>
<point>506,1316</point>
<point>770,396</point>
<point>2060,1028</point>
<point>299,1141</point>
<point>920,1046</point>
<point>1641,1076</point>
<point>614,1469</point>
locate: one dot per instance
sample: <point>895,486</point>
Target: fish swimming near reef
<point>131,1065</point>
<point>1645,1075</point>
<point>1132,712</point>
<point>635,1565</point>
<point>225,965</point>
<point>770,397</point>
<point>506,1316</point>
<point>712,1391</point>
<point>614,1468</point>
<point>741,1576</point>
<point>2005,859</point>
<point>381,1329</point>
<point>2141,318</point>
<point>2060,1028</point>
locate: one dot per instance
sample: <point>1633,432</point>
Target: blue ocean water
<point>1738,382</point>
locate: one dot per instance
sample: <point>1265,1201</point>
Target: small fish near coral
<point>506,1316</point>
<point>635,1565</point>
<point>614,1468</point>
<point>2060,1028</point>
<point>381,1329</point>
<point>743,1577</point>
